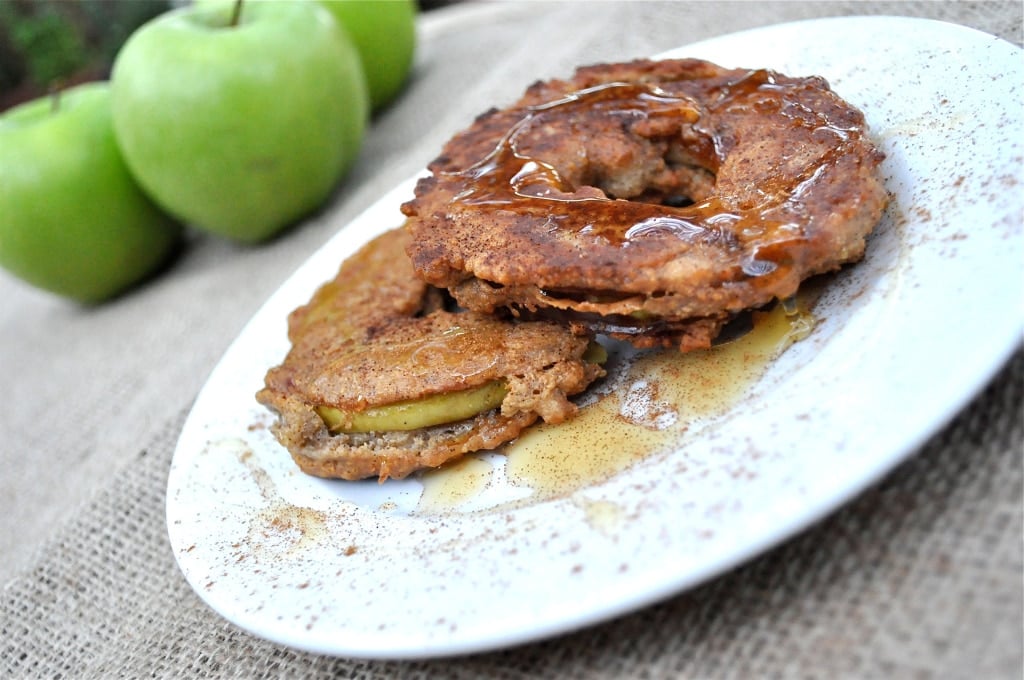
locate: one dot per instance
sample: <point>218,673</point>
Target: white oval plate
<point>907,337</point>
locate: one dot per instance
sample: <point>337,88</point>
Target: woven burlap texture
<point>919,577</point>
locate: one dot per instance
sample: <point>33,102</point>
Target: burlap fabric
<point>919,577</point>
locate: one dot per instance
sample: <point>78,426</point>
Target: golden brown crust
<point>558,202</point>
<point>375,335</point>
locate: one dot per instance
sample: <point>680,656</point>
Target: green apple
<point>384,32</point>
<point>240,128</point>
<point>73,221</point>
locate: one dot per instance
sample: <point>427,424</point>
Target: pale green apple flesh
<point>436,409</point>
<point>240,130</point>
<point>384,32</point>
<point>403,416</point>
<point>72,219</point>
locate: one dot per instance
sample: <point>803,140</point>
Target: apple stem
<point>236,13</point>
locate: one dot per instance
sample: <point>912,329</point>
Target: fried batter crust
<point>563,202</point>
<point>376,335</point>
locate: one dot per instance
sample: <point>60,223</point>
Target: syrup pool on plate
<point>647,403</point>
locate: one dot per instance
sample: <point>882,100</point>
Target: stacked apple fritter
<point>651,201</point>
<point>384,378</point>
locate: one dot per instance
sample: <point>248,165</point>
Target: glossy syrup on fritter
<point>510,176</point>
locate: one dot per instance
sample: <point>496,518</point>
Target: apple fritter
<point>651,201</point>
<point>383,378</point>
